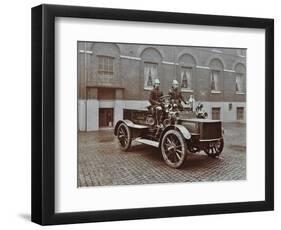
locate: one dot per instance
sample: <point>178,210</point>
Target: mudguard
<point>130,124</point>
<point>184,131</point>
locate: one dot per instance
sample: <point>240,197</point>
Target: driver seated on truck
<point>154,99</point>
<point>175,94</point>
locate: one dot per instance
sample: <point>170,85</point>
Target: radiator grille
<point>211,130</point>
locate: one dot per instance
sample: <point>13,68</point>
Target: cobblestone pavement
<point>101,162</point>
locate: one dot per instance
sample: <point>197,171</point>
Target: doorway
<point>105,117</point>
<point>216,113</point>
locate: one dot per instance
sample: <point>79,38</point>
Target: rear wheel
<point>214,149</point>
<point>173,148</point>
<point>124,136</point>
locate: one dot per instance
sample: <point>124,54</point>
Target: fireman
<point>154,99</point>
<point>176,95</point>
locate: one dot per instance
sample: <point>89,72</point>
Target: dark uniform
<point>154,99</point>
<point>176,95</point>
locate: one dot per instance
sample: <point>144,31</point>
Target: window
<point>214,80</point>
<point>239,82</point>
<point>186,76</point>
<point>240,113</point>
<point>105,65</point>
<point>216,113</point>
<point>150,74</point>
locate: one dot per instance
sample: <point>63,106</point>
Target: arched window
<point>105,65</point>
<point>151,58</point>
<point>150,74</point>
<point>240,72</point>
<point>105,61</point>
<point>187,64</point>
<point>216,75</point>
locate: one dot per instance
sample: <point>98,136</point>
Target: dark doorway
<point>106,117</point>
<point>216,113</point>
<point>240,114</point>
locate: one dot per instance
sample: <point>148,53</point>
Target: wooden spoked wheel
<point>214,149</point>
<point>173,148</point>
<point>124,136</point>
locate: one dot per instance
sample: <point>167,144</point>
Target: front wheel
<point>214,149</point>
<point>173,148</point>
<point>124,136</point>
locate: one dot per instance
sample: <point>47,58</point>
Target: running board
<point>147,142</point>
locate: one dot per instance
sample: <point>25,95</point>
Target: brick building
<point>114,78</point>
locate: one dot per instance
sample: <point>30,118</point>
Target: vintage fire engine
<point>179,133</point>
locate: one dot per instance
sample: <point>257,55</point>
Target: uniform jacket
<point>176,95</point>
<point>154,97</point>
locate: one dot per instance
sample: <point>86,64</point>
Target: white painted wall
<point>81,115</point>
<point>119,105</point>
<point>106,103</point>
<point>226,114</point>
<point>92,115</point>
<point>135,104</point>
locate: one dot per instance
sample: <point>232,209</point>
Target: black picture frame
<point>43,114</point>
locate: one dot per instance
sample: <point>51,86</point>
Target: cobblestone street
<point>101,162</point>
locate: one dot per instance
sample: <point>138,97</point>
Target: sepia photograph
<point>151,114</point>
<point>140,114</point>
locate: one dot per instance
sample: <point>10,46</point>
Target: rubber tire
<point>183,144</point>
<point>127,146</point>
<point>218,152</point>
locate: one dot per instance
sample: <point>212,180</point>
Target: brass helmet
<point>156,82</point>
<point>175,84</point>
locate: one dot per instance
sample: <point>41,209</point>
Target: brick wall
<point>124,88</point>
<point>129,62</point>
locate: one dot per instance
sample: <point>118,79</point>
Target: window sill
<point>187,90</point>
<point>105,76</point>
<point>105,72</point>
<point>240,93</point>
<point>215,91</point>
<point>148,88</point>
